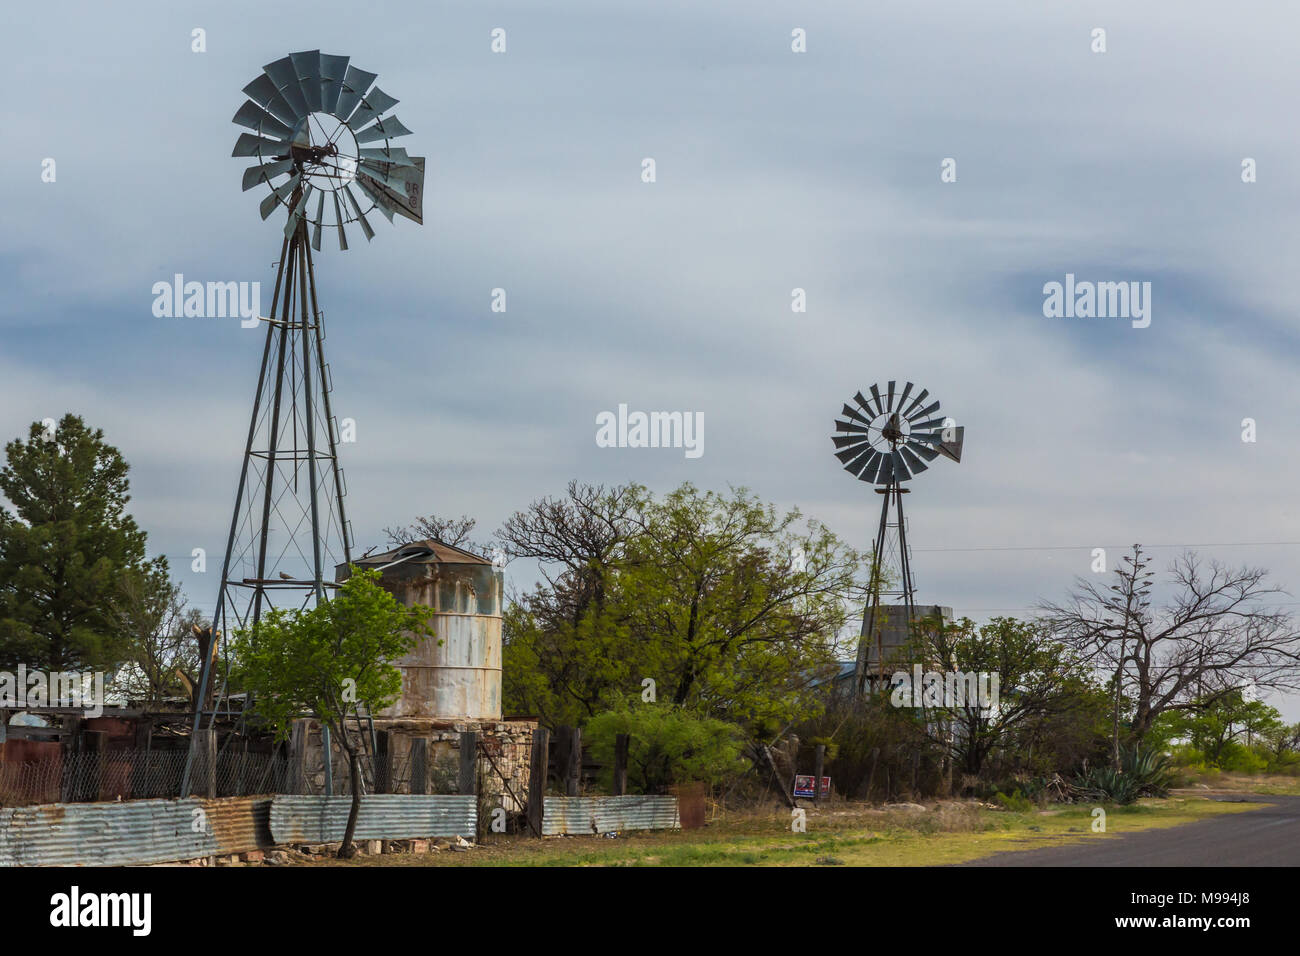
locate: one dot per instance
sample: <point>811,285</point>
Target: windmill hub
<point>324,151</point>
<point>894,430</point>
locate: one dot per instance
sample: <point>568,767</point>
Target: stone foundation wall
<point>505,750</point>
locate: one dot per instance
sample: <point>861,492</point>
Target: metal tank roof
<point>428,551</point>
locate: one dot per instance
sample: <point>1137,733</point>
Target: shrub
<point>1016,802</point>
<point>668,745</point>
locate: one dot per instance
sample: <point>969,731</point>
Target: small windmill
<point>887,440</point>
<point>321,134</point>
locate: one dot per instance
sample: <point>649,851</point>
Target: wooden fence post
<point>620,764</point>
<point>71,786</point>
<point>537,771</point>
<point>298,757</point>
<point>92,746</point>
<point>208,741</point>
<point>468,780</point>
<point>383,763</point>
<point>140,766</point>
<point>817,773</point>
<point>327,757</point>
<point>573,771</point>
<point>419,765</point>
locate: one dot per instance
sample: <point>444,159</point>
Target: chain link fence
<point>137,774</point>
<point>500,772</point>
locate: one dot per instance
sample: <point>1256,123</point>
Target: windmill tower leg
<point>871,617</point>
<point>872,635</point>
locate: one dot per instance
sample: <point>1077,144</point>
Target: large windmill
<point>886,440</point>
<point>321,138</point>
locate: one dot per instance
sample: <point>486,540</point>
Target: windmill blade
<point>338,217</point>
<point>848,411</point>
<point>932,423</point>
<point>265,173</point>
<point>848,454</point>
<point>390,127</point>
<point>880,405</point>
<point>900,466</point>
<point>285,77</point>
<point>925,451</point>
<point>249,144</point>
<point>890,408</point>
<point>952,449</point>
<point>307,66</point>
<point>842,441</point>
<point>361,218</point>
<point>315,226</point>
<point>886,471</point>
<point>863,461</point>
<point>332,69</point>
<point>914,464</point>
<point>263,91</point>
<point>864,404</point>
<point>260,121</point>
<point>902,399</point>
<point>295,215</point>
<point>907,413</point>
<point>852,427</point>
<point>393,154</point>
<point>278,195</point>
<point>355,84</point>
<point>372,104</point>
<point>929,409</point>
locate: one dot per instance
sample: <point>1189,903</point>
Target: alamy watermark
<point>651,430</point>
<point>26,689</point>
<point>1100,300</point>
<point>208,300</point>
<point>948,689</point>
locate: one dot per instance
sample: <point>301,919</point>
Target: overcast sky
<point>775,170</point>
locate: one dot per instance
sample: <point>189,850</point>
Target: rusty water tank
<point>457,672</point>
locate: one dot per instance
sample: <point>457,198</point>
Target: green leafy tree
<point>1038,679</point>
<point>729,607</point>
<point>1223,727</point>
<point>667,745</point>
<point>67,550</point>
<point>326,660</point>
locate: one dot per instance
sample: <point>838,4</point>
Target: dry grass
<point>848,834</point>
<point>1215,781</point>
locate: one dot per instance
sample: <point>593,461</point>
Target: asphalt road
<point>1269,836</point>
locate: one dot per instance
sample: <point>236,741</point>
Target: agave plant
<point>1143,773</point>
<point>1151,770</point>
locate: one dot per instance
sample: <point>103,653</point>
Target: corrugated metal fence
<point>131,832</point>
<point>587,815</point>
<point>136,832</point>
<point>383,816</point>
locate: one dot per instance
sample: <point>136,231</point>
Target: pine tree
<point>65,549</point>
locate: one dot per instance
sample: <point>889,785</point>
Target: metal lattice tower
<point>887,440</point>
<point>312,117</point>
